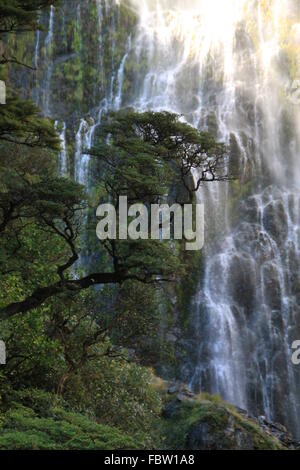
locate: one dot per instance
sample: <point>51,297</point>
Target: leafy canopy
<point>143,156</point>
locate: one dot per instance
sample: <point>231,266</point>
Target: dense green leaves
<point>146,151</point>
<point>21,123</point>
<point>146,157</point>
<point>36,207</point>
<point>23,429</point>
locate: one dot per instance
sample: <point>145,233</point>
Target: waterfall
<point>227,67</point>
<point>84,139</point>
<point>36,60</point>
<point>48,60</point>
<point>118,98</point>
<point>63,154</point>
<point>220,64</point>
<point>49,37</point>
<point>100,38</point>
<point>37,46</point>
<point>112,98</point>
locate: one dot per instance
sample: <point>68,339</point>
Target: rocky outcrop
<point>205,422</point>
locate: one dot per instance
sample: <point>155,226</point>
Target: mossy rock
<point>208,423</point>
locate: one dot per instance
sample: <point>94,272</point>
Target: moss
<point>223,423</point>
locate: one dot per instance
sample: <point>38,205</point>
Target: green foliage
<point>146,151</point>
<point>120,394</point>
<point>137,308</point>
<point>34,358</point>
<point>149,155</point>
<point>34,204</point>
<point>23,428</point>
<point>20,123</point>
<point>146,156</point>
<point>66,347</point>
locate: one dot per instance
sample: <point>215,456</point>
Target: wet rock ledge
<point>206,422</point>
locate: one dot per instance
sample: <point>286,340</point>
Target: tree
<point>65,349</point>
<point>180,150</point>
<point>22,124</point>
<point>145,155</point>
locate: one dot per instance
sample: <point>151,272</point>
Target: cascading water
<point>84,139</point>
<point>37,47</point>
<point>118,98</point>
<point>45,99</point>
<point>63,155</point>
<point>111,100</point>
<point>225,66</point>
<point>221,64</point>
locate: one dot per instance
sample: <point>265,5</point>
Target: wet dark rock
<point>203,436</point>
<point>280,432</point>
<point>242,281</point>
<point>275,221</point>
<point>182,390</point>
<point>173,389</point>
<point>235,155</point>
<point>272,286</point>
<point>249,208</point>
